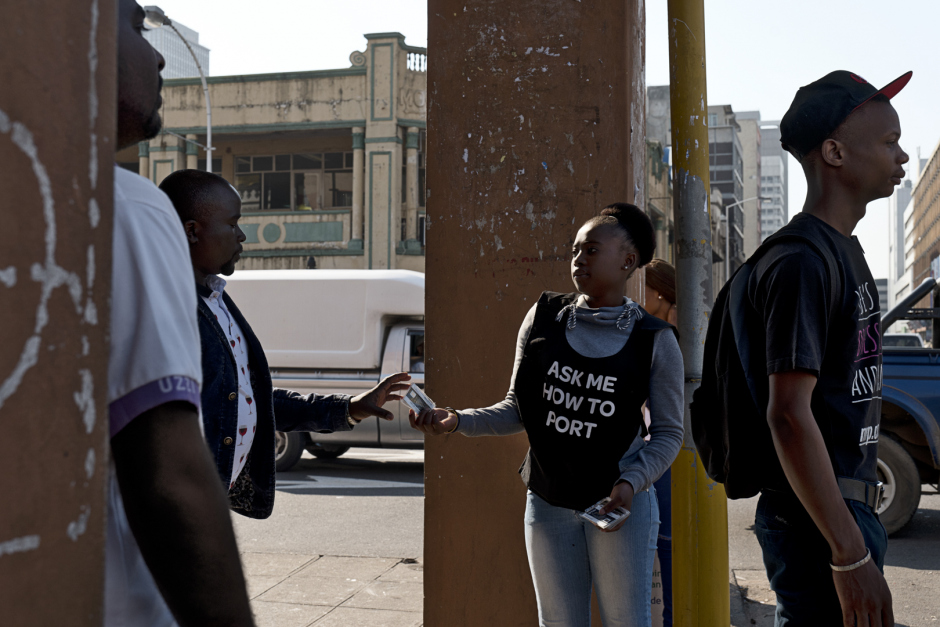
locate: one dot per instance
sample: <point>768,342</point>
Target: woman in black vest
<point>585,364</point>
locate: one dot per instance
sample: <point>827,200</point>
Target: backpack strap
<point>738,295</point>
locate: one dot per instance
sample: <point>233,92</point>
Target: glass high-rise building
<point>179,63</point>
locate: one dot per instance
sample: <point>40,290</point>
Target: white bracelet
<point>858,564</point>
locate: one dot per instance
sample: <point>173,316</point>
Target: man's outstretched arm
<point>863,592</point>
<point>178,512</point>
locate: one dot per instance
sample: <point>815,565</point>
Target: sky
<point>758,53</point>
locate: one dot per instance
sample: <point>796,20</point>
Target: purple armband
<point>176,388</point>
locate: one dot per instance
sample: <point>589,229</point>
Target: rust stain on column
<point>535,113</point>
<point>57,120</point>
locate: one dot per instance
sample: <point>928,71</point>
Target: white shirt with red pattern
<point>247,412</point>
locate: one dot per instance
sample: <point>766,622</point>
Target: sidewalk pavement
<point>292,590</point>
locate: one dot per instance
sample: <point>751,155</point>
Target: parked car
<point>909,438</point>
<point>337,332</point>
<point>906,340</point>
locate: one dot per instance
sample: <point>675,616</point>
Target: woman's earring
<point>660,298</point>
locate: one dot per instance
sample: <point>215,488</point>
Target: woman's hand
<point>433,421</point>
<point>620,496</point>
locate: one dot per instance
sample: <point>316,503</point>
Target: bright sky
<point>758,55</point>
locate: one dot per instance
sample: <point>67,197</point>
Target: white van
<point>337,331</point>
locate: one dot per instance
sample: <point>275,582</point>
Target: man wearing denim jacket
<point>241,409</point>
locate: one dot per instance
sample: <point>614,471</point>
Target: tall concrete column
<point>411,191</point>
<point>57,121</point>
<point>535,123</point>
<point>143,153</point>
<point>359,171</point>
<point>192,155</point>
<point>383,155</point>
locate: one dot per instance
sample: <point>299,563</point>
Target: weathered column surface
<point>535,123</point>
<point>57,119</point>
<point>359,171</point>
<point>411,186</point>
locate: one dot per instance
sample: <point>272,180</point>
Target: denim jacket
<point>281,410</point>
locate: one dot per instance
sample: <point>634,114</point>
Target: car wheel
<point>322,450</point>
<point>288,447</point>
<point>898,473</point>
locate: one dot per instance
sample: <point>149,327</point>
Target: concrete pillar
<point>411,192</point>
<point>359,171</point>
<point>383,150</point>
<point>535,123</point>
<point>56,145</point>
<point>143,152</point>
<point>192,155</point>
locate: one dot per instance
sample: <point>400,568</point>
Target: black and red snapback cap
<point>820,107</point>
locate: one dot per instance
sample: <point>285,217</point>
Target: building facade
<point>329,164</point>
<point>750,137</point>
<point>897,205</point>
<point>726,174</point>
<point>775,178</point>
<point>923,224</point>
<point>179,62</point>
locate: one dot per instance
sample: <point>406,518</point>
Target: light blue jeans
<point>567,555</point>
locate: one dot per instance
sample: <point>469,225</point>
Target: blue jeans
<point>796,556</point>
<point>567,555</point>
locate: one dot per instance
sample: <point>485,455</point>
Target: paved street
<point>344,547</point>
<point>912,568</point>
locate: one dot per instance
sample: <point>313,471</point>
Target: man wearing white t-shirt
<point>171,556</point>
<point>241,410</point>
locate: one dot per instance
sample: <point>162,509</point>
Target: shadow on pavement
<point>915,546</point>
<point>746,611</point>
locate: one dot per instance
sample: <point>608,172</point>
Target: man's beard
<point>153,126</point>
<point>228,268</point>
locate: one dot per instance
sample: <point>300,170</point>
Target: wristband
<point>858,564</point>
<point>453,411</point>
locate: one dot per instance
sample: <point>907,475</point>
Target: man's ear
<point>832,152</point>
<point>192,231</point>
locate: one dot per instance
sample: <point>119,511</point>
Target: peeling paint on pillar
<point>536,110</point>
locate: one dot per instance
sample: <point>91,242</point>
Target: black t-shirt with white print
<point>790,289</point>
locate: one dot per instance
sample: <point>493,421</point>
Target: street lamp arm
<point>205,90</point>
<point>741,202</point>
<point>155,18</point>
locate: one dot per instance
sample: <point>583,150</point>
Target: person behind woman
<point>585,363</point>
<point>661,290</point>
<point>661,302</point>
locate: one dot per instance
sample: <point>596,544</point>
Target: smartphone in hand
<point>604,521</point>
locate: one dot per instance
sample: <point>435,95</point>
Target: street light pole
<point>155,18</point>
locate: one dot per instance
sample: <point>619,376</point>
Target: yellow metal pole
<point>699,506</point>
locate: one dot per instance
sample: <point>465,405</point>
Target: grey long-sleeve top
<point>596,335</point>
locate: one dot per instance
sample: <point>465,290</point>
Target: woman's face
<point>601,260</point>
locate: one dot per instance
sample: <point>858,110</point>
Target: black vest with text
<point>581,413</point>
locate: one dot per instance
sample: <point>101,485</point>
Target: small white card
<point>416,399</point>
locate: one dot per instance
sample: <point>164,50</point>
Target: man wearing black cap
<point>822,542</point>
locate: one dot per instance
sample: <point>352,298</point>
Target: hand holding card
<point>416,399</point>
<point>606,521</point>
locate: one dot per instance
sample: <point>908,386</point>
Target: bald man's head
<point>195,193</point>
<point>210,209</point>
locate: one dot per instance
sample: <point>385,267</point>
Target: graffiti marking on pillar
<point>19,545</point>
<point>48,273</point>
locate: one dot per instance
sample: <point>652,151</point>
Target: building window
<point>298,182</point>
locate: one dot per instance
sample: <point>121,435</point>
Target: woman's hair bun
<point>635,224</point>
